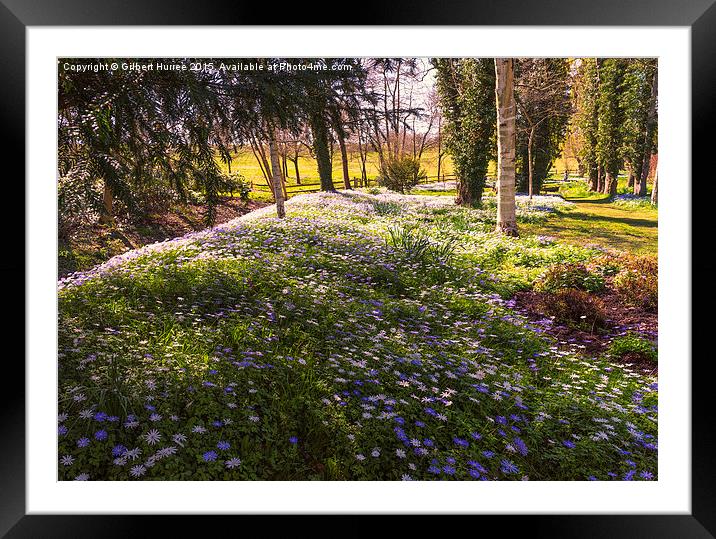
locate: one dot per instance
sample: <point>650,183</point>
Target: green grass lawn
<point>594,219</point>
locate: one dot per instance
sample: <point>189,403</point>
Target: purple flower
<point>61,430</point>
<point>100,435</point>
<point>83,442</point>
<point>293,440</point>
<point>508,467</point>
<point>461,442</point>
<point>223,445</point>
<point>569,444</point>
<point>210,456</point>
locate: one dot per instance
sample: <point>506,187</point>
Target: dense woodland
<point>378,268</point>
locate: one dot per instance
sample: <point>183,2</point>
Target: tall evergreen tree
<point>140,135</point>
<point>584,93</point>
<point>636,103</point>
<point>611,117</point>
<point>466,89</point>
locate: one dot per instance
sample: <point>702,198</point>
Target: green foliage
<point>585,92</point>
<point>577,276</point>
<point>466,88</point>
<point>575,308</point>
<point>401,173</point>
<point>237,183</point>
<point>632,344</point>
<point>634,101</point>
<point>611,115</point>
<point>416,246</point>
<point>146,135</point>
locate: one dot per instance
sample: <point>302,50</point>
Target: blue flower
<point>118,450</point>
<point>508,467</point>
<point>223,445</point>
<point>210,456</point>
<point>100,435</point>
<point>461,442</point>
<point>83,442</point>
<point>293,440</point>
<point>570,444</point>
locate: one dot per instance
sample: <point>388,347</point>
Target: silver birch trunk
<point>506,135</point>
<point>276,175</point>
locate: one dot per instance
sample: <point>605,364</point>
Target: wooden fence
<point>311,187</point>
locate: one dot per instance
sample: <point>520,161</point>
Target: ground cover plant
<point>366,336</point>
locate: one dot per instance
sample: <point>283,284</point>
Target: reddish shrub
<point>575,308</point>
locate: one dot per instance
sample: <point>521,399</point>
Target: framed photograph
<point>356,270</point>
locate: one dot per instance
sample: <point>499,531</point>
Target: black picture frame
<point>16,15</point>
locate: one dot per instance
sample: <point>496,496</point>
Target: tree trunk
<point>600,179</point>
<point>440,155</point>
<point>344,160</point>
<point>298,174</point>
<point>610,184</point>
<point>322,151</point>
<point>593,178</point>
<point>107,216</point>
<point>654,190</point>
<point>640,186</point>
<point>631,178</point>
<point>506,135</point>
<point>529,158</point>
<point>276,175</point>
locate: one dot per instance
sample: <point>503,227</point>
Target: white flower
<point>67,460</point>
<point>137,471</point>
<point>82,477</point>
<point>152,437</point>
<point>198,429</point>
<point>233,463</point>
<point>133,453</point>
<point>400,453</point>
<point>179,439</point>
<point>165,452</point>
<point>359,456</point>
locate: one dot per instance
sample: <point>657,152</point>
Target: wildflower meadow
<point>367,335</point>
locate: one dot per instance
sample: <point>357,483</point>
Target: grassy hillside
<point>363,337</point>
